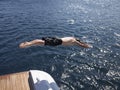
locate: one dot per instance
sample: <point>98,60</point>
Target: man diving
<point>54,41</point>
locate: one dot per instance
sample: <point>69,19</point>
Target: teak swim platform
<point>28,80</point>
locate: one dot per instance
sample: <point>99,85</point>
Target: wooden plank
<point>16,81</point>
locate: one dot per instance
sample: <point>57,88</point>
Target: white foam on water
<point>116,34</point>
<point>117,44</point>
<point>112,73</point>
<point>71,21</point>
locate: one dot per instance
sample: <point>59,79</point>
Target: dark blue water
<point>96,22</point>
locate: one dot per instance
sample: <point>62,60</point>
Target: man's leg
<point>31,43</point>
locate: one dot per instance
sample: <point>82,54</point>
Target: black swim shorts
<point>52,41</point>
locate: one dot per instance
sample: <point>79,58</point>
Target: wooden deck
<point>15,81</point>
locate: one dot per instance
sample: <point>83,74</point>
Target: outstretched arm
<point>31,43</point>
<point>73,41</point>
<point>82,44</point>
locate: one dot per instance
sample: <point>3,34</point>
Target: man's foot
<point>24,45</point>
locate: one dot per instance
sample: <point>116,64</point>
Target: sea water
<point>96,22</point>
